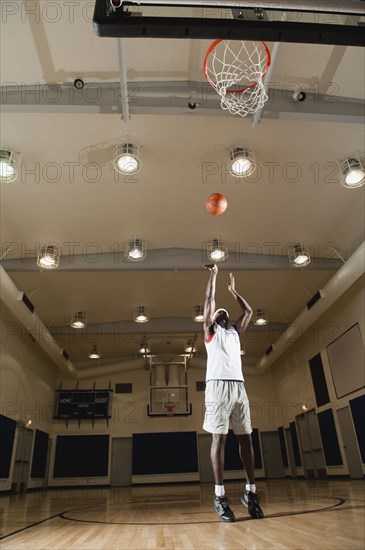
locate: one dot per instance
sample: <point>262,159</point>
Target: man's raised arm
<point>209,304</point>
<point>245,318</point>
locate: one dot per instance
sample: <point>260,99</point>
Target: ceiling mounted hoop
<point>236,69</point>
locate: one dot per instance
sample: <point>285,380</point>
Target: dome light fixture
<point>93,353</point>
<point>241,162</point>
<point>78,320</point>
<point>127,158</point>
<point>48,257</point>
<point>9,165</point>
<point>198,314</point>
<point>352,171</point>
<point>141,315</point>
<point>216,251</point>
<point>260,318</point>
<point>190,348</point>
<point>298,256</point>
<point>144,348</point>
<point>135,251</point>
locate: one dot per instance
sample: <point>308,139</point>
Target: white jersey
<point>224,355</point>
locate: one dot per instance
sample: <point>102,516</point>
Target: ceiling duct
<point>27,302</point>
<point>346,276</point>
<point>21,307</point>
<point>317,296</point>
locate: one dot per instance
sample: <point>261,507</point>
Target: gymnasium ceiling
<point>60,197</point>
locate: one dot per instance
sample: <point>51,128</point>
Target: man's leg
<point>221,504</point>
<point>247,456</point>
<point>217,457</point>
<point>250,498</point>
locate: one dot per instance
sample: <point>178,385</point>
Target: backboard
<point>337,23</point>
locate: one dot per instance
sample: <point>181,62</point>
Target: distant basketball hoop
<point>235,69</point>
<point>169,406</point>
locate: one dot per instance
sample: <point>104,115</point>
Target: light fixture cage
<point>216,251</point>
<point>245,157</point>
<point>198,314</point>
<point>135,251</point>
<point>78,320</point>
<point>352,170</point>
<point>141,315</point>
<point>9,165</point>
<point>261,318</point>
<point>299,256</point>
<point>190,347</point>
<point>48,256</point>
<point>127,159</point>
<point>93,353</point>
<point>144,348</point>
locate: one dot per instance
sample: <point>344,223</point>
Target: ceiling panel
<point>68,193</point>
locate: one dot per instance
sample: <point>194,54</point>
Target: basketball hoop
<point>235,69</point>
<point>169,406</point>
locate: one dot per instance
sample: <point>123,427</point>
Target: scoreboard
<point>80,404</point>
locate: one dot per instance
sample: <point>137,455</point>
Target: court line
<point>270,516</point>
<point>61,515</point>
<point>29,526</point>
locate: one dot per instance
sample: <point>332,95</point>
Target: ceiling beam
<point>161,325</point>
<point>171,98</point>
<point>176,259</point>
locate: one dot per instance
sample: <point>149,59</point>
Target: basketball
<point>216,204</point>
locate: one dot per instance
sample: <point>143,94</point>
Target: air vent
<point>200,385</point>
<point>123,388</point>
<point>269,350</point>
<point>65,354</point>
<point>314,300</point>
<point>27,302</point>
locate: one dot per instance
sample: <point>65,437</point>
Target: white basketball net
<point>235,69</point>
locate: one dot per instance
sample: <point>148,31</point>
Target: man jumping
<point>225,396</point>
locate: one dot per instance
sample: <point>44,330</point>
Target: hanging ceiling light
<point>190,348</point>
<point>198,314</point>
<point>93,353</point>
<point>9,165</point>
<point>135,251</point>
<point>127,158</point>
<point>298,256</point>
<point>48,257</point>
<point>216,252</point>
<point>141,316</point>
<point>78,320</point>
<point>260,318</point>
<point>352,171</point>
<point>241,162</point>
<point>144,348</point>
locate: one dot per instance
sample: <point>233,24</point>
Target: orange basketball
<point>216,204</point>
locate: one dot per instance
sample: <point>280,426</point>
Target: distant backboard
<point>337,23</point>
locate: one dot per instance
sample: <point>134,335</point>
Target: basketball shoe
<point>252,502</point>
<point>223,510</point>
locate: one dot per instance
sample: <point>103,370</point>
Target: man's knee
<point>244,439</point>
<point>219,439</point>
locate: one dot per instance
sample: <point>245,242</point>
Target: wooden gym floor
<point>298,514</point>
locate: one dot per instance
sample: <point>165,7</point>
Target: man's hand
<point>231,284</point>
<point>212,267</point>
